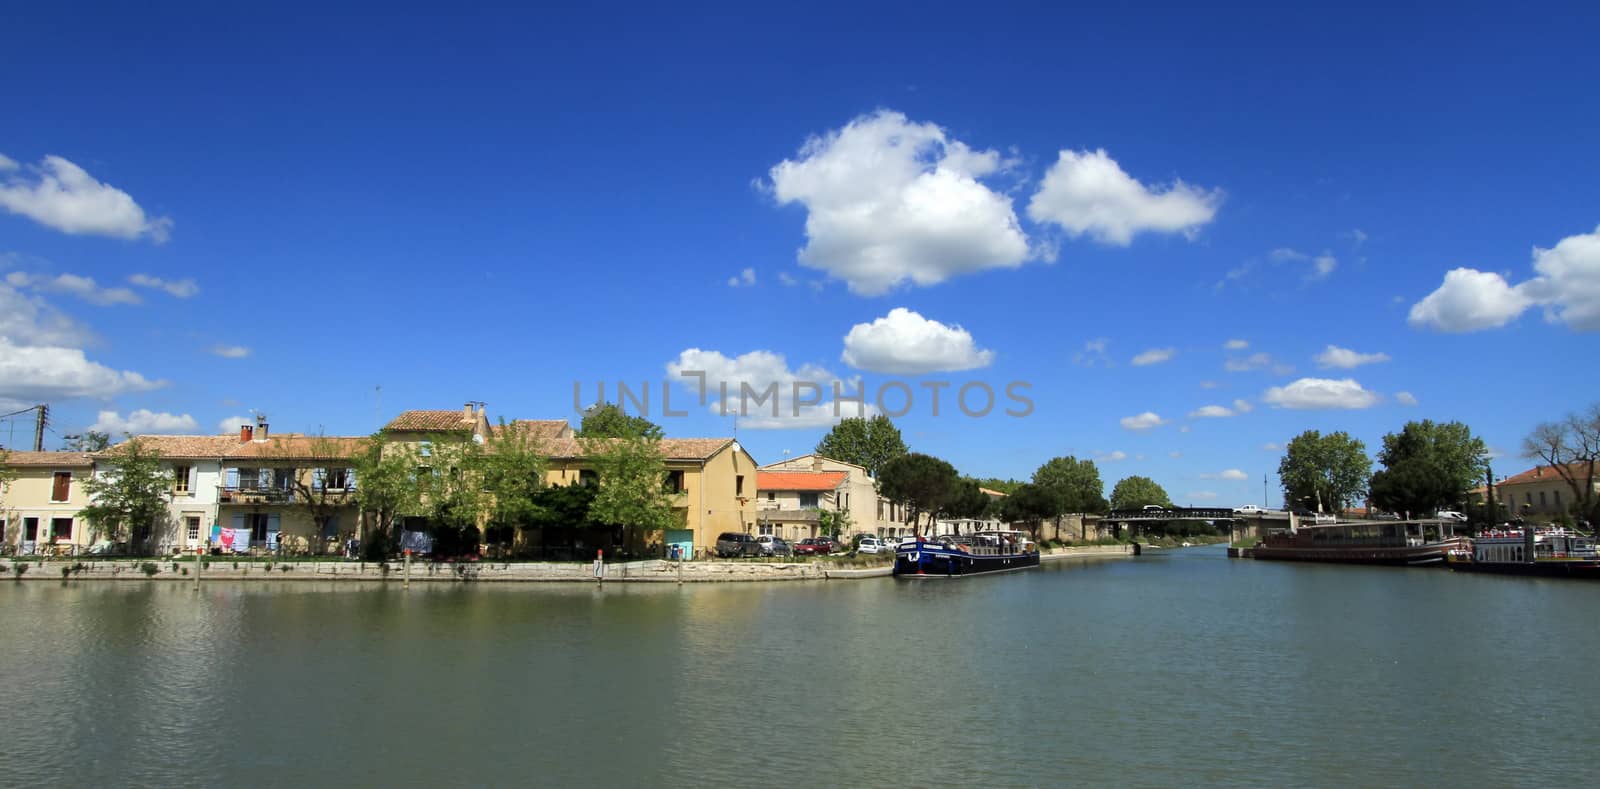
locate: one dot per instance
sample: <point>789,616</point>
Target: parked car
<point>1249,509</point>
<point>1154,508</point>
<point>732,543</point>
<point>1451,515</point>
<point>773,546</point>
<point>815,546</point>
<point>1315,517</point>
<point>870,545</point>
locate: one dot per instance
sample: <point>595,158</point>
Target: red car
<point>815,546</point>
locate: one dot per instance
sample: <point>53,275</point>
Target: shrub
<point>283,568</point>
<point>149,569</point>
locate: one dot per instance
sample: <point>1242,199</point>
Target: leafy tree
<point>1134,492</point>
<point>513,471</point>
<point>7,476</point>
<point>1572,447</point>
<point>607,420</point>
<point>1006,486</point>
<point>1074,484</point>
<point>90,441</point>
<point>1428,466</point>
<point>455,501</point>
<point>1330,471</point>
<point>1028,503</point>
<point>869,443</point>
<point>834,523</point>
<point>316,493</point>
<point>966,500</point>
<point>632,493</point>
<point>922,483</point>
<point>387,489</point>
<point>131,491</point>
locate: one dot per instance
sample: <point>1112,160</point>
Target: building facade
<point>40,510</point>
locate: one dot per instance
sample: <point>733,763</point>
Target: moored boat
<point>1550,552</point>
<point>985,552</point>
<point>1405,543</point>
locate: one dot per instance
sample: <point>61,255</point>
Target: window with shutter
<point>61,486</point>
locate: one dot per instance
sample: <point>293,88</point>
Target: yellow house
<point>1541,490</point>
<point>290,492</point>
<point>39,510</point>
<point>713,482</point>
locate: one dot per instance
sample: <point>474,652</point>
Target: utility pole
<point>39,422</point>
<point>1264,492</point>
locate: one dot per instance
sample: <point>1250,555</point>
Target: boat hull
<point>1541,569</point>
<point>937,562</point>
<point>1412,556</point>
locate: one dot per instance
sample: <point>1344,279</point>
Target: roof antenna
<point>377,409</point>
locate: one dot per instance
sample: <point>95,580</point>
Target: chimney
<point>246,432</point>
<point>816,462</point>
<point>467,414</point>
<point>261,427</point>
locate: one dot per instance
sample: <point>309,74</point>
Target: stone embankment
<point>655,570</point>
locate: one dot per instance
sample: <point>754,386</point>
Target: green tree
<point>1029,503</point>
<point>1327,472</point>
<point>1074,485</point>
<point>7,475</point>
<point>1428,466</point>
<point>90,441</point>
<point>130,491</point>
<point>1006,486</point>
<point>922,483</point>
<point>632,491</point>
<point>966,500</point>
<point>1134,492</point>
<point>1572,448</point>
<point>513,472</point>
<point>387,489</point>
<point>834,523</point>
<point>607,420</point>
<point>869,443</point>
<point>455,500</point>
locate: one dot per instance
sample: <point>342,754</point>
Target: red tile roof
<point>543,431</point>
<point>431,420</point>
<point>1547,474</point>
<point>56,459</point>
<point>671,448</point>
<point>800,480</point>
<point>291,446</point>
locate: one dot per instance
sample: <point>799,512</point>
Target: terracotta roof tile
<point>671,448</point>
<point>800,480</point>
<point>430,420</point>
<point>228,447</point>
<point>544,431</point>
<point>57,459</point>
<point>1545,474</point>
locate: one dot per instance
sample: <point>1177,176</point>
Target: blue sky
<point>495,205</point>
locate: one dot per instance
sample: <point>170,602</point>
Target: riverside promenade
<point>647,571</point>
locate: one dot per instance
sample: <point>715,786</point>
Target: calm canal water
<point>1185,669</point>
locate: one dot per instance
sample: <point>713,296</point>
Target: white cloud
<point>1242,406</point>
<point>7,163</point>
<point>40,373</point>
<point>1210,412</point>
<point>1154,356</point>
<point>1271,446</point>
<point>744,278</point>
<point>181,288</point>
<point>1112,457</point>
<point>1346,359</point>
<point>1144,421</point>
<point>1208,384</point>
<point>1405,398</point>
<point>143,421</point>
<point>904,342</point>
<point>787,279</point>
<point>1320,393</point>
<point>1183,428</point>
<point>231,424</point>
<point>766,394</point>
<point>28,320</point>
<point>1285,255</point>
<point>66,198</point>
<point>1469,300</point>
<point>1236,345</point>
<point>1202,495</point>
<point>1323,265</point>
<point>1087,192</point>
<point>1174,454</point>
<point>1256,361</point>
<point>890,201</point>
<point>1567,285</point>
<point>1232,475</point>
<point>72,284</point>
<point>230,351</point>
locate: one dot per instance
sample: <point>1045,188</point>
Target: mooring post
<point>199,559</point>
<point>600,567</point>
<point>408,569</point>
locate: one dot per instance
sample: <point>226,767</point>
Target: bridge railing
<point>1173,514</point>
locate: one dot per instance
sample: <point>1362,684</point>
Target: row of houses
<point>298,493</point>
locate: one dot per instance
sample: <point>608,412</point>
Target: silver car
<point>774,546</point>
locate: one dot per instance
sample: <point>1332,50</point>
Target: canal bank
<point>647,571</point>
